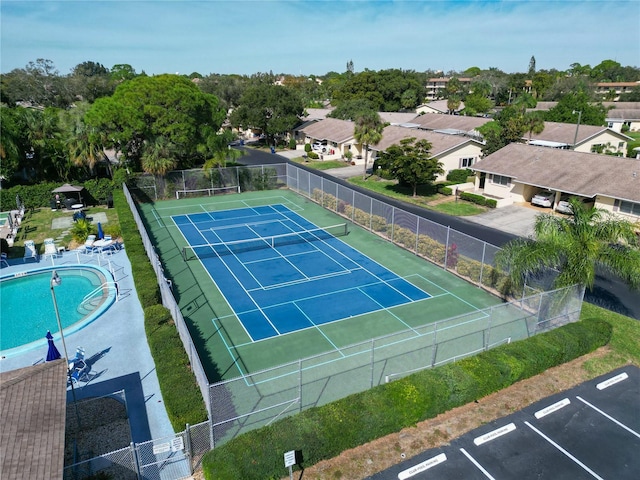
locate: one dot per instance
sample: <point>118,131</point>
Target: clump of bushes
<point>324,432</point>
<point>459,175</point>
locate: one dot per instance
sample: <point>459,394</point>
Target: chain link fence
<point>260,398</point>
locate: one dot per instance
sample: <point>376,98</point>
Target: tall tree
<point>159,156</point>
<point>534,123</point>
<point>411,163</point>
<point>273,109</point>
<point>575,246</point>
<point>532,66</point>
<point>144,108</point>
<point>81,140</point>
<point>368,131</point>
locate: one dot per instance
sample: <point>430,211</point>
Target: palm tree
<point>368,131</point>
<point>575,246</point>
<point>533,123</point>
<point>158,157</point>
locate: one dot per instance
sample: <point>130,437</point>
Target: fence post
<point>299,385</point>
<point>484,249</point>
<point>487,340</point>
<point>373,351</point>
<point>434,347</point>
<point>187,444</point>
<point>446,248</point>
<point>136,460</point>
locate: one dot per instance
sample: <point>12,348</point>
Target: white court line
<point>474,461</point>
<point>620,424</point>
<point>587,469</point>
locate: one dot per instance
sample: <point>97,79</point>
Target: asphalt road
<point>608,292</point>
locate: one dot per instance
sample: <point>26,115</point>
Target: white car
<point>543,199</point>
<point>319,147</point>
<point>565,207</point>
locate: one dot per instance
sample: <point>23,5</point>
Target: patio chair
<point>30,251</point>
<point>50,248</point>
<point>88,244</point>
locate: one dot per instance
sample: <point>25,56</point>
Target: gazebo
<point>70,189</point>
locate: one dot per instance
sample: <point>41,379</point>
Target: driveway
<point>517,219</point>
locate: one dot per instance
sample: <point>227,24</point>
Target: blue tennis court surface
<point>280,273</point>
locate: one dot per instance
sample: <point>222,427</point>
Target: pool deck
<point>115,347</point>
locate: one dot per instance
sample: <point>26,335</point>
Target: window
<point>466,162</point>
<point>500,180</point>
<point>620,145</point>
<point>630,208</point>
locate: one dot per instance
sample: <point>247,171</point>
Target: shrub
<point>312,155</point>
<point>459,175</point>
<point>491,202</point>
<point>473,197</point>
<point>444,190</point>
<point>292,144</point>
<point>307,147</point>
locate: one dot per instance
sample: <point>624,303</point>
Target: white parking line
<point>620,424</point>
<point>480,467</point>
<point>587,469</point>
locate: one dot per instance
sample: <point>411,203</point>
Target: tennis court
<point>252,307</point>
<point>281,273</point>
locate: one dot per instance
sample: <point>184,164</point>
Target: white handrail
<point>92,294</point>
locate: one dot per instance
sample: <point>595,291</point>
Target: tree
<point>352,109</point>
<point>568,106</point>
<point>81,140</point>
<point>145,108</point>
<point>411,163</point>
<point>368,131</point>
<point>575,246</point>
<point>159,157</point>
<point>273,109</point>
<point>534,123</point>
<point>532,66</point>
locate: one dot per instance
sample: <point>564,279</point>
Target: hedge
<point>40,195</point>
<point>180,393</point>
<point>324,432</point>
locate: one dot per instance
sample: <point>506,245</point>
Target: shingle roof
<point>397,117</point>
<point>566,132</point>
<point>438,121</point>
<point>624,114</point>
<point>331,129</point>
<point>440,142</point>
<point>586,174</point>
<point>32,415</point>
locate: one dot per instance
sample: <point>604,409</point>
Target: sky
<point>304,37</point>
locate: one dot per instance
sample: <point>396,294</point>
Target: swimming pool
<point>26,306</point>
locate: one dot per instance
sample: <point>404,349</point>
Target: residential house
<point>515,173</point>
<point>624,115</point>
<point>436,106</point>
<point>614,89</point>
<point>453,151</point>
<point>338,135</point>
<point>581,138</point>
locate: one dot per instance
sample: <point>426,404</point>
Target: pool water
<point>26,304</point>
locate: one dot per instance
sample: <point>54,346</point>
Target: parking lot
<point>591,431</point>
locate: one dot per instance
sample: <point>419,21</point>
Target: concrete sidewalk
<point>115,346</point>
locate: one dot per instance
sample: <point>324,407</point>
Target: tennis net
<point>201,192</point>
<point>206,250</point>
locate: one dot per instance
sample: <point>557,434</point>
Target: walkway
<point>117,344</point>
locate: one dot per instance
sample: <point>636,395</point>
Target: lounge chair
<point>50,248</point>
<point>30,251</point>
<point>88,244</point>
<point>78,367</point>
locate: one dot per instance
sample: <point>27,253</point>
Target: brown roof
<point>440,142</point>
<point>330,129</point>
<point>565,132</point>
<point>438,121</point>
<point>624,114</point>
<point>33,409</point>
<point>397,117</point>
<point>586,174</point>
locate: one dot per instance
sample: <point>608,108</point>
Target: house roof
<point>317,113</point>
<point>330,129</point>
<point>440,142</point>
<point>33,418</point>
<point>586,174</point>
<point>624,114</point>
<point>397,117</point>
<point>564,133</point>
<point>438,121</point>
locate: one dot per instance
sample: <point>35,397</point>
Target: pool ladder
<point>92,299</point>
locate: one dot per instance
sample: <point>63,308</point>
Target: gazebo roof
<point>68,188</point>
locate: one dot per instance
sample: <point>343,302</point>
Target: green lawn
<point>37,225</point>
<point>320,164</point>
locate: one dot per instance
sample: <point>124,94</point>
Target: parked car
<point>319,147</point>
<point>565,207</point>
<point>543,199</point>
